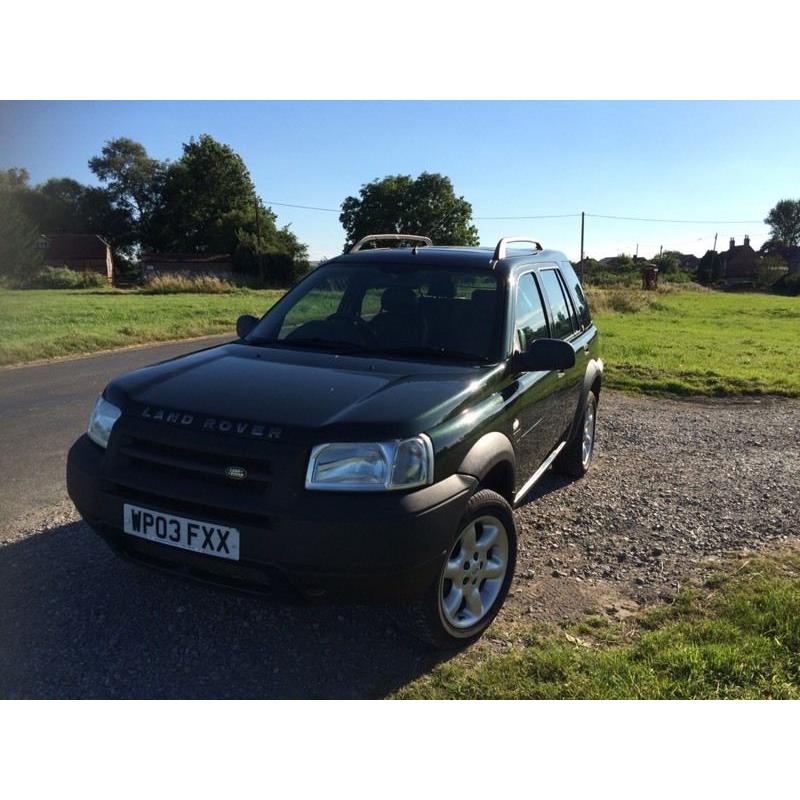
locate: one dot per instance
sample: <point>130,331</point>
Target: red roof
<point>75,245</point>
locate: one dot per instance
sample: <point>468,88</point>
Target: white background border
<point>426,50</point>
<point>420,49</point>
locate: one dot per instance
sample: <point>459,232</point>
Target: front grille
<point>185,471</point>
<point>208,466</point>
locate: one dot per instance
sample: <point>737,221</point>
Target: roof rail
<point>378,237</point>
<point>500,250</point>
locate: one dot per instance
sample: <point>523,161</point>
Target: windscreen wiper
<point>431,352</point>
<point>312,342</point>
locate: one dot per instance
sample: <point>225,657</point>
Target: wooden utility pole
<point>583,220</point>
<point>715,242</point>
<point>258,243</point>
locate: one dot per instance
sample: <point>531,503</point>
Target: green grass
<point>738,639</point>
<point>37,324</point>
<point>677,341</point>
<point>690,342</point>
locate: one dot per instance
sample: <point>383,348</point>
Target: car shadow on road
<point>77,621</point>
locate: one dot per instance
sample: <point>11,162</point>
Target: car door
<point>536,414</point>
<point>564,325</point>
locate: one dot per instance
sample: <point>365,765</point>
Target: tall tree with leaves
<point>20,255</point>
<point>132,179</point>
<point>208,195</point>
<point>426,206</point>
<point>209,204</point>
<point>784,221</point>
<point>56,206</point>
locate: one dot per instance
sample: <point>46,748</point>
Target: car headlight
<point>371,466</point>
<point>101,421</point>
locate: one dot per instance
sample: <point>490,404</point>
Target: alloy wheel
<point>588,435</point>
<point>474,572</point>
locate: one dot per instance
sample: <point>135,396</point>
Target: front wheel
<point>474,579</point>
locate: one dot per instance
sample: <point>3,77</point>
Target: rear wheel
<point>576,457</point>
<point>474,579</point>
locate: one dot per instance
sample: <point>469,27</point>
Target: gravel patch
<point>674,484</point>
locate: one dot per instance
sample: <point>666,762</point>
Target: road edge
<point>141,346</point>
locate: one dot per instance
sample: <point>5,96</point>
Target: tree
<point>19,238</point>
<point>709,268</point>
<point>209,204</point>
<point>132,178</point>
<point>56,206</point>
<point>667,263</point>
<point>133,190</point>
<point>207,197</point>
<point>14,179</point>
<point>426,206</point>
<point>784,220</point>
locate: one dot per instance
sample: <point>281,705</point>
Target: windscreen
<point>389,311</point>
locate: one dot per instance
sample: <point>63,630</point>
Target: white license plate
<point>188,534</point>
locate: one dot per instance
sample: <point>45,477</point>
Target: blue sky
<point>671,160</point>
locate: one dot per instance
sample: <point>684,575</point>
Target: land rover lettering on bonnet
<point>238,427</point>
<point>367,438</point>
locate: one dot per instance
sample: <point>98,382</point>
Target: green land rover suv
<point>367,438</point>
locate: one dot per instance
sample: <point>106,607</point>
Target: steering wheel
<point>368,336</point>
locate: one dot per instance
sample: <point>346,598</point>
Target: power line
<point>563,216</point>
<point>683,221</point>
<point>294,205</point>
<point>539,216</point>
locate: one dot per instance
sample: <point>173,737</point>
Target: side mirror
<point>545,354</point>
<point>245,324</point>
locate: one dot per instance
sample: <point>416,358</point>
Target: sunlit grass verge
<point>180,284</point>
<point>40,324</point>
<point>739,637</point>
<point>692,341</point>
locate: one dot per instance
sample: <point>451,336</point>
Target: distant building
<point>187,265</point>
<point>740,263</point>
<point>688,261</point>
<point>83,252</point>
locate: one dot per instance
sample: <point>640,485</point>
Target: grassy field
<point>680,340</point>
<point>688,341</point>
<point>38,324</point>
<point>739,637</point>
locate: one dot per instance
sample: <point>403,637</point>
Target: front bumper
<point>355,546</point>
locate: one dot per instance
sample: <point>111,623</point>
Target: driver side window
<point>530,321</point>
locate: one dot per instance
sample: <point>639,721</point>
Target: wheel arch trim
<point>594,373</point>
<point>491,450</point>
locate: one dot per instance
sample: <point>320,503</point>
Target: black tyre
<point>576,457</point>
<point>474,579</point>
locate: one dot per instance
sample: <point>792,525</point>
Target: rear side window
<point>530,320</point>
<point>581,304</point>
<point>561,314</point>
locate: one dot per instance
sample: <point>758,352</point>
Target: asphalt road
<point>45,407</point>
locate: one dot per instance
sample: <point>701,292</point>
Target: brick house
<point>740,263</point>
<point>83,252</point>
